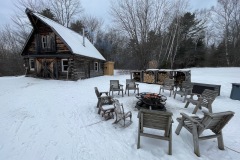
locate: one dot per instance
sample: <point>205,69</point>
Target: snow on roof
<point>152,69</point>
<point>73,39</point>
<point>183,70</point>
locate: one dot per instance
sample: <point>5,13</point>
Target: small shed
<point>109,68</point>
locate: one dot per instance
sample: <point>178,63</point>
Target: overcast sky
<point>98,8</point>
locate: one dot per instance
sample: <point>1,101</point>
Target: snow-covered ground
<point>58,120</point>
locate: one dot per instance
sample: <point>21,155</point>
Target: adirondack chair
<point>115,86</point>
<point>168,84</point>
<point>204,100</point>
<point>107,109</point>
<point>196,126</point>
<point>131,85</point>
<point>101,97</point>
<point>184,90</point>
<point>120,114</point>
<point>155,120</point>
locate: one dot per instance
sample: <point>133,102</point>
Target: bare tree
<point>178,9</point>
<point>137,18</point>
<point>65,10</point>
<point>10,60</point>
<point>93,26</point>
<point>223,13</point>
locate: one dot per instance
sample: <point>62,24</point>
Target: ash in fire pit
<point>152,101</point>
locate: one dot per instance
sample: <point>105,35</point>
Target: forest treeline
<point>143,34</point>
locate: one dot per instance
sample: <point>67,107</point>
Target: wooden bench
<point>198,88</point>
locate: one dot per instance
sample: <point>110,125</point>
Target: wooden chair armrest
<point>122,107</point>
<point>189,118</point>
<point>209,99</point>
<point>136,85</point>
<point>120,86</point>
<point>199,95</point>
<point>103,93</point>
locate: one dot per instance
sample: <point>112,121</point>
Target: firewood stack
<point>161,77</point>
<point>179,79</point>
<point>148,77</point>
<point>136,76</point>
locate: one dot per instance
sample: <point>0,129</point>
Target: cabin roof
<point>72,38</point>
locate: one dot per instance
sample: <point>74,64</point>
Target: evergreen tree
<point>48,13</point>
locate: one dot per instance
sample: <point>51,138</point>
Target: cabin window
<point>31,64</point>
<point>64,65</point>
<point>44,41</point>
<point>48,42</point>
<point>96,66</point>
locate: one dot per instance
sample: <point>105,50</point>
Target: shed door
<point>46,68</point>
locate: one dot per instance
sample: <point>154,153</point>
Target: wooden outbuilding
<point>53,51</point>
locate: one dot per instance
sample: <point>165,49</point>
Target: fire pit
<point>152,101</point>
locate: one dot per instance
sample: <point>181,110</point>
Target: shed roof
<point>72,38</point>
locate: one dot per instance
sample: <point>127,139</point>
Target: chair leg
<point>98,104</point>
<point>128,92</point>
<point>125,90</point>
<point>220,141</point>
<point>195,141</point>
<point>179,127</point>
<point>138,143</point>
<point>196,108</point>
<point>210,108</point>
<point>174,95</point>
<point>122,93</point>
<point>170,142</point>
<point>186,104</point>
<point>170,93</point>
<point>185,96</point>
<point>99,110</point>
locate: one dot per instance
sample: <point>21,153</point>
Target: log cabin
<point>53,51</point>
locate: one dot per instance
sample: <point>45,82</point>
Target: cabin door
<point>46,68</point>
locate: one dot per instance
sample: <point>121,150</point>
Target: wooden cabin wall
<point>84,68</point>
<point>34,46</point>
<point>94,73</point>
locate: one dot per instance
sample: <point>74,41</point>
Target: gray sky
<point>98,8</point>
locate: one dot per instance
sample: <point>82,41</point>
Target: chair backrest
<point>187,85</point>
<point>168,82</point>
<point>130,83</point>
<point>208,94</point>
<point>118,108</point>
<point>114,83</point>
<point>156,120</point>
<point>97,92</point>
<point>215,121</point>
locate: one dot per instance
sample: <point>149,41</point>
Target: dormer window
<point>44,41</point>
<point>48,41</point>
